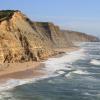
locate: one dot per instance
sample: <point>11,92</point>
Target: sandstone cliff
<point>24,40</point>
<point>79,36</point>
<point>52,33</point>
<point>19,41</point>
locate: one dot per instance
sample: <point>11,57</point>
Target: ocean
<point>73,76</point>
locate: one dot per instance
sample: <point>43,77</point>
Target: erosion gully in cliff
<point>23,40</point>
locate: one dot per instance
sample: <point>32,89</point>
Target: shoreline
<point>28,70</point>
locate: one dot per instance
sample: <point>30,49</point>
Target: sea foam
<point>80,72</point>
<point>53,67</point>
<point>95,62</point>
<point>63,63</point>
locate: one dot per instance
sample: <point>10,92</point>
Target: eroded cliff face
<point>52,33</point>
<point>20,42</point>
<point>79,36</point>
<point>24,40</point>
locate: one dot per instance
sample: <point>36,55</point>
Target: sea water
<point>74,76</point>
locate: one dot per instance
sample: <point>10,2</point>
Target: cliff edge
<point>23,40</point>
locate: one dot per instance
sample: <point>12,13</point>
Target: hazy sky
<point>79,15</point>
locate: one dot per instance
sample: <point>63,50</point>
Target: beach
<point>71,76</point>
<point>24,70</point>
<point>27,70</point>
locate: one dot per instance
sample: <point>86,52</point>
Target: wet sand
<point>26,70</point>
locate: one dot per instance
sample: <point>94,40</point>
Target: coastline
<point>24,70</point>
<point>28,70</point>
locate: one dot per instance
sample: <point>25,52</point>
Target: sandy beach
<point>69,49</point>
<point>26,70</point>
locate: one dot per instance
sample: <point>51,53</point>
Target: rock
<point>23,40</point>
<point>79,36</point>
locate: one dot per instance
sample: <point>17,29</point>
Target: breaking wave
<point>95,62</point>
<point>53,67</point>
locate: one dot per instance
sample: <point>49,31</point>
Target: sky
<point>77,15</point>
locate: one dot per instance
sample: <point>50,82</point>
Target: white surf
<point>95,62</point>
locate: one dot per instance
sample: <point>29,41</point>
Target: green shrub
<point>6,14</point>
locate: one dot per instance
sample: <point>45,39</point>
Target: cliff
<point>24,40</point>
<point>19,41</point>
<point>79,36</point>
<point>52,33</point>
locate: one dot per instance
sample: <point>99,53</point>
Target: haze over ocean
<point>78,15</point>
